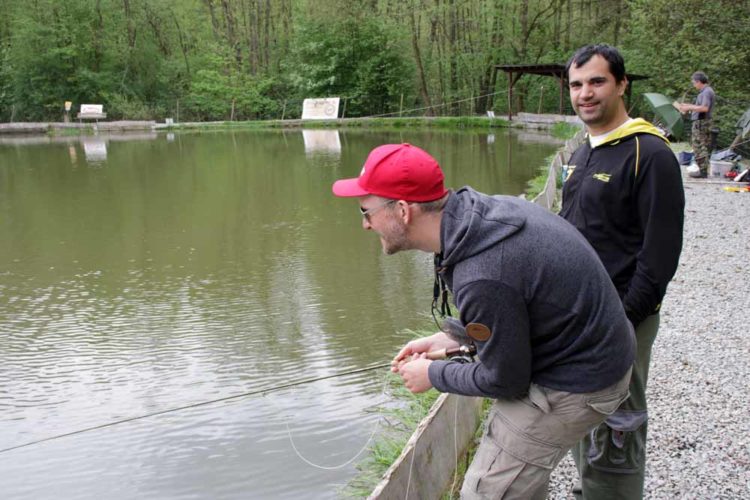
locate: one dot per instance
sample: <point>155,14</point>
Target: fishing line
<point>334,467</point>
<point>411,465</point>
<point>196,405</point>
<point>455,446</point>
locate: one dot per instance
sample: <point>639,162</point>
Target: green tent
<point>667,116</point>
<point>743,124</point>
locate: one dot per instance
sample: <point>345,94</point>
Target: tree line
<point>257,59</point>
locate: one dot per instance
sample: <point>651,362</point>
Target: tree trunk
<point>420,68</point>
<point>618,22</point>
<point>214,20</point>
<point>267,36</point>
<point>232,32</point>
<point>97,38</point>
<point>183,48</point>
<point>129,24</point>
<point>568,25</point>
<point>453,57</point>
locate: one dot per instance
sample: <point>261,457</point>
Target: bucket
<point>720,167</point>
<point>685,158</point>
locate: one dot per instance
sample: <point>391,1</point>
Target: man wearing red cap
<point>554,345</point>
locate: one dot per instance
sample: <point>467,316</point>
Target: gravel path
<point>699,382</point>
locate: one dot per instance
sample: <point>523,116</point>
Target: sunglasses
<point>366,213</point>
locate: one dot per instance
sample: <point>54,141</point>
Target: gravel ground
<point>699,382</point>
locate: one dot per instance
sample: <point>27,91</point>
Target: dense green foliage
<point>249,59</point>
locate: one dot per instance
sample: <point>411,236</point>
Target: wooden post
<point>231,116</point>
<point>177,113</point>
<point>491,98</point>
<point>343,112</point>
<point>510,96</point>
<point>562,85</point>
<point>541,96</point>
<point>401,106</point>
<point>283,110</point>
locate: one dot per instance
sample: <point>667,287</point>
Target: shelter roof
<point>554,69</point>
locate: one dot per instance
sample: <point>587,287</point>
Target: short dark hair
<point>699,76</point>
<point>611,54</point>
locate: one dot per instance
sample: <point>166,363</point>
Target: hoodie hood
<point>636,126</point>
<point>470,224</point>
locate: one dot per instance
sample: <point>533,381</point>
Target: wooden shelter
<point>516,71</point>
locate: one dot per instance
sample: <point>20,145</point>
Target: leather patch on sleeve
<point>478,331</point>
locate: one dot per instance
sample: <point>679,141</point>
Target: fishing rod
<point>451,326</point>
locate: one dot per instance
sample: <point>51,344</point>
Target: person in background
<point>701,114</point>
<point>624,193</point>
<point>555,348</point>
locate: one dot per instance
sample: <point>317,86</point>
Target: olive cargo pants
<point>611,460</point>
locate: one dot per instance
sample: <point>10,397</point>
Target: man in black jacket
<point>554,345</point>
<point>624,193</point>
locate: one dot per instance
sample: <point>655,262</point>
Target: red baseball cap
<point>396,171</point>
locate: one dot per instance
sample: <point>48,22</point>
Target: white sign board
<point>320,109</point>
<point>92,108</point>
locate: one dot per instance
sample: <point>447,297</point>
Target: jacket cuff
<point>435,374</point>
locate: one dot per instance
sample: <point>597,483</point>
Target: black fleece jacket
<point>531,279</point>
<point>626,198</point>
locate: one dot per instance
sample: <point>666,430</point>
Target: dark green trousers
<point>611,460</point>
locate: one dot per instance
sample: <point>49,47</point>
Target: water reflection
<point>326,141</point>
<point>193,269</point>
<point>95,149</point>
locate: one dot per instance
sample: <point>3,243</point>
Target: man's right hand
<point>426,344</point>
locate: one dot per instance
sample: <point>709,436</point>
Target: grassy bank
<point>534,186</point>
<point>400,423</point>
<point>71,132</point>
<point>564,130</point>
<point>388,446</point>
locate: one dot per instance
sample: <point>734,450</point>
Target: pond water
<point>146,272</point>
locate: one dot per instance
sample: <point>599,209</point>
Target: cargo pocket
<point>608,403</point>
<point>617,444</point>
<point>506,452</point>
<point>513,438</point>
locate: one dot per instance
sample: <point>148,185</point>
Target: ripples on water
<point>77,356</point>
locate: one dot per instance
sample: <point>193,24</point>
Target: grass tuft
<point>564,130</point>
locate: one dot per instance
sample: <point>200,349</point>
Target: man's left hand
<point>414,374</point>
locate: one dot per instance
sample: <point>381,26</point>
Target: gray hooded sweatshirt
<point>534,283</point>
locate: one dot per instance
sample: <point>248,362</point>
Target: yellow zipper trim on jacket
<point>637,155</point>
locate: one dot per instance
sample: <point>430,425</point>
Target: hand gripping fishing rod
<point>462,354</point>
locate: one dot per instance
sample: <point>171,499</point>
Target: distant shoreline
<point>523,120</point>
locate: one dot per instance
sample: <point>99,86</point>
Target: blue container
<point>685,158</point>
